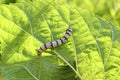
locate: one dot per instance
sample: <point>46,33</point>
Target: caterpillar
<point>55,43</point>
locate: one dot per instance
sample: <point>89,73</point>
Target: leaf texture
<point>91,53</point>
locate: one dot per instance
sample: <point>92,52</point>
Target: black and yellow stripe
<point>55,43</point>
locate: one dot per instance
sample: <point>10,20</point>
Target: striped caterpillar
<point>56,43</point>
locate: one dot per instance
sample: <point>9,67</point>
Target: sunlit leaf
<point>91,53</point>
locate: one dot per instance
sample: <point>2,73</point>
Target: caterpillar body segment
<point>56,43</point>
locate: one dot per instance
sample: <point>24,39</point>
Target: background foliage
<point>91,53</point>
<point>109,10</point>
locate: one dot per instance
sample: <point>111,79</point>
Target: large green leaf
<point>91,53</point>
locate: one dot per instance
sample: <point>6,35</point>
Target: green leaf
<point>91,53</point>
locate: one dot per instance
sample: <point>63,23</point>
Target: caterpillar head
<point>69,29</point>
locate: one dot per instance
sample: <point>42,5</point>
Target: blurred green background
<point>108,9</point>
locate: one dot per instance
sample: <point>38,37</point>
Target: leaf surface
<point>91,53</point>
